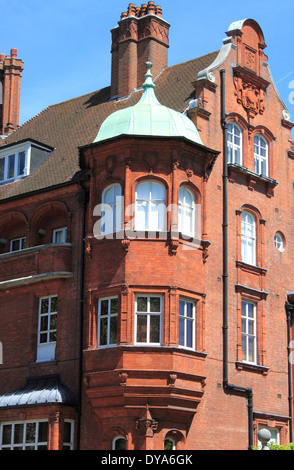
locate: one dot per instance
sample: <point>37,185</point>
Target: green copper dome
<point>148,117</point>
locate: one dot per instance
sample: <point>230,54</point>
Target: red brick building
<point>146,254</point>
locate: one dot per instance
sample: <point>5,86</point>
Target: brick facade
<point>145,391</point>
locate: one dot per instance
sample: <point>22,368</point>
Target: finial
<point>148,76</point>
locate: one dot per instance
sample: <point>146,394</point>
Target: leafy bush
<point>289,446</point>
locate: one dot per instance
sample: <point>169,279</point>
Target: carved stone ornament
<point>250,96</point>
<point>146,425</point>
<point>250,91</point>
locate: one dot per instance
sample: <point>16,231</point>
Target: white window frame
<point>112,220</point>
<point>21,244</point>
<point>260,144</point>
<point>234,148</point>
<point>248,238</point>
<point>186,212</point>
<point>16,151</point>
<point>186,320</point>
<point>22,445</point>
<point>148,315</point>
<point>59,231</point>
<point>69,445</point>
<point>46,349</point>
<point>150,203</point>
<point>108,317</point>
<point>279,241</point>
<point>248,331</point>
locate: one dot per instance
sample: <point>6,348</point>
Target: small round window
<point>279,241</point>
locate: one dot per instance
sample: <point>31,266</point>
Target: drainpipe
<point>289,311</point>
<point>228,387</point>
<point>83,199</point>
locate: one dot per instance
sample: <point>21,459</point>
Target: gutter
<point>83,199</point>
<point>289,312</point>
<point>229,387</point>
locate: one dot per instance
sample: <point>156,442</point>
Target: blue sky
<point>65,44</point>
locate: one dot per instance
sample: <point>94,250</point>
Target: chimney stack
<point>141,36</point>
<point>10,80</point>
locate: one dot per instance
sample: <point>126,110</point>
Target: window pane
<point>141,215</point>
<point>113,330</point>
<point>141,304</point>
<point>182,332</point>
<point>54,304</point>
<point>103,331</point>
<point>52,336</point>
<point>2,166</point>
<point>154,328</point>
<point>6,434</point>
<point>154,304</point>
<point>53,322</point>
<point>21,163</point>
<point>157,191</point>
<point>104,307</point>
<point>142,190</point>
<point>15,244</point>
<point>30,432</point>
<point>18,434</point>
<point>67,432</point>
<point>44,305</point>
<point>189,334</point>
<point>189,309</point>
<point>251,349</point>
<point>182,307</point>
<point>43,338</point>
<point>141,328</point>
<point>114,305</point>
<point>43,431</point>
<point>11,160</point>
<point>120,444</point>
<point>44,323</point>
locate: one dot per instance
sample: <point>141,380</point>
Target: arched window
<point>234,143</point>
<point>170,444</point>
<point>260,155</point>
<point>186,215</point>
<point>150,206</point>
<point>111,209</point>
<point>248,238</point>
<point>119,443</point>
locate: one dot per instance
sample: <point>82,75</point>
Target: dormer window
<point>13,166</point>
<point>20,159</point>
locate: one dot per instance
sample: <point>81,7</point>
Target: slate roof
<point>74,123</point>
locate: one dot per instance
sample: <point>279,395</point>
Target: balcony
<point>168,380</point>
<point>35,264</point>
